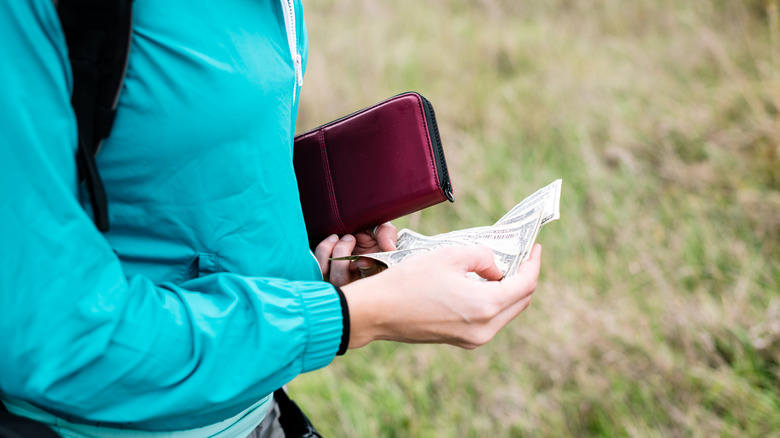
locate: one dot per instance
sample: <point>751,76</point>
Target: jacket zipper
<point>292,40</point>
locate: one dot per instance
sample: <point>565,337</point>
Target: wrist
<point>364,298</point>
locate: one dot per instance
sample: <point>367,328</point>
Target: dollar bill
<point>547,200</point>
<point>511,237</point>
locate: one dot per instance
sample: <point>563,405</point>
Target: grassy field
<point>658,308</point>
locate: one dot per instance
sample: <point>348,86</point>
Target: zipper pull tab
<point>448,191</point>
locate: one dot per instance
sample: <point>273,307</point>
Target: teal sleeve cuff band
<point>323,308</point>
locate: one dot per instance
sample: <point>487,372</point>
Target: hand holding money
<point>431,300</point>
<point>511,237</point>
<point>331,251</point>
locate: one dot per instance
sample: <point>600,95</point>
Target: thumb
<point>479,260</point>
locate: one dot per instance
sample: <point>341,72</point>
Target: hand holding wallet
<point>372,166</point>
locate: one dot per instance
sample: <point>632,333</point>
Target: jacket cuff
<point>345,320</point>
<point>323,308</point>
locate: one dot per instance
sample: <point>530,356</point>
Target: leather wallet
<point>372,166</point>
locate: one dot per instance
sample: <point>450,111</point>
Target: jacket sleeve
<point>81,340</point>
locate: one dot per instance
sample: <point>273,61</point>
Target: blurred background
<point>658,307</point>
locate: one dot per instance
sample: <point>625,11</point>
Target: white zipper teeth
<point>292,40</point>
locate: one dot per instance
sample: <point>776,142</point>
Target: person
<point>203,297</point>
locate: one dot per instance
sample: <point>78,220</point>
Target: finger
<point>366,244</point>
<point>386,235</point>
<point>368,267</point>
<point>365,263</point>
<point>477,259</point>
<point>514,301</point>
<point>378,239</point>
<point>523,284</point>
<point>535,258</point>
<point>323,252</point>
<point>339,269</point>
<point>533,262</point>
<point>507,315</point>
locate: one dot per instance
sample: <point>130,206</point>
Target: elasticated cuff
<point>323,309</point>
<point>345,320</point>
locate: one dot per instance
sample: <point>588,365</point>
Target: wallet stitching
<point>328,180</point>
<point>348,117</point>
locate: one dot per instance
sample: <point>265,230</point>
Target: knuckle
<point>342,249</point>
<point>481,337</point>
<point>486,311</point>
<point>321,248</point>
<point>468,346</point>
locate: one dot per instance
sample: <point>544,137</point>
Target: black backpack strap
<point>292,419</point>
<point>98,37</point>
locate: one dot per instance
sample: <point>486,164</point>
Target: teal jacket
<point>203,297</point>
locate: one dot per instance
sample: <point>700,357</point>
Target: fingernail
<point>348,238</point>
<point>333,238</point>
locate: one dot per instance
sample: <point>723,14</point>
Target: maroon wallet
<point>372,166</point>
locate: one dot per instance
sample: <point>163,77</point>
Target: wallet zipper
<point>438,149</point>
<point>433,130</point>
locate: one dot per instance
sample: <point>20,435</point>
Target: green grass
<point>658,308</point>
